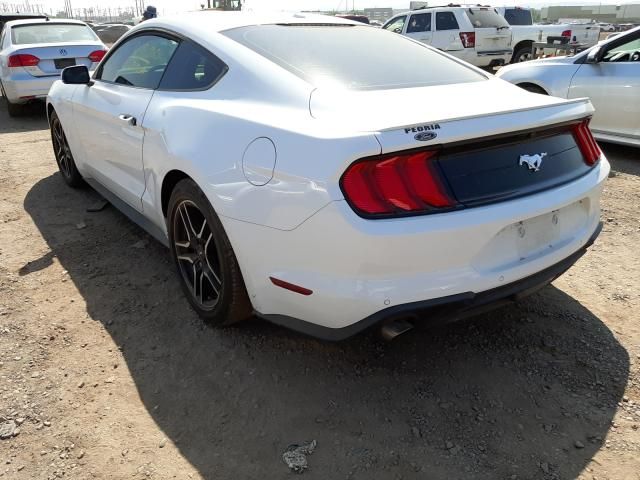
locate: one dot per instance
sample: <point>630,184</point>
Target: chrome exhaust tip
<point>395,328</point>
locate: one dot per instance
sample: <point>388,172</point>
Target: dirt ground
<point>108,374</point>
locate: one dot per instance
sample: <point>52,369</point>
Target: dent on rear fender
<point>307,158</point>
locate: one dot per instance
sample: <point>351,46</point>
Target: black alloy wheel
<point>63,154</point>
<point>208,269</point>
<point>196,254</point>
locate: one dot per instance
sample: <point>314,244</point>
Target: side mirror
<point>76,75</point>
<point>595,55</point>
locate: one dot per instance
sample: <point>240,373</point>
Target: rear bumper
<point>357,268</point>
<point>483,59</point>
<point>444,309</point>
<point>21,85</point>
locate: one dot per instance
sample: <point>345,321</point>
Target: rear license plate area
<point>533,238</point>
<point>61,63</point>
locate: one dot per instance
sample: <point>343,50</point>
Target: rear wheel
<point>63,154</point>
<point>201,251</point>
<point>14,109</point>
<point>523,54</point>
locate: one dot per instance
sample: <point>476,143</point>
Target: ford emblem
<point>425,136</point>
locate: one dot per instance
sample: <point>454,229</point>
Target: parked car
<point>475,34</point>
<point>282,189</point>
<point>607,27</point>
<point>112,32</point>
<point>608,73</point>
<point>34,52</point>
<point>525,32</point>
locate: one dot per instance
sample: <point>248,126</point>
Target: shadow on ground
<point>508,394</point>
<point>623,158</point>
<point>33,118</point>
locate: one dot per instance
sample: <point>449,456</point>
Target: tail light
<point>586,143</point>
<point>23,60</point>
<point>566,33</point>
<point>97,55</point>
<point>468,39</point>
<point>396,184</point>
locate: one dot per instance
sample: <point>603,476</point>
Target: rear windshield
<point>518,16</point>
<point>355,57</point>
<point>486,18</point>
<point>51,33</point>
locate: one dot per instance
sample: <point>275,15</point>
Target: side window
<point>139,62</point>
<point>419,22</point>
<point>192,68</point>
<point>396,25</point>
<point>446,21</point>
<point>627,52</point>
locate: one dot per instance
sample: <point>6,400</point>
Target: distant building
<point>379,14</point>
<point>629,13</point>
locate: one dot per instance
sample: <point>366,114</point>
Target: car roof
<point>219,21</point>
<point>35,21</point>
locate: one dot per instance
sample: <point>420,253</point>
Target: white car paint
<point>525,32</point>
<point>268,149</point>
<point>493,45</point>
<point>612,87</point>
<point>21,83</point>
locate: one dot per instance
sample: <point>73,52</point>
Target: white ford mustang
<point>250,146</point>
<point>608,74</point>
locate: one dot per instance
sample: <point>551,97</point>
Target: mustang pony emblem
<point>532,161</point>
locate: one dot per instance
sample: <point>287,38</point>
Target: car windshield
<point>486,18</point>
<point>518,16</point>
<point>51,33</point>
<point>349,56</point>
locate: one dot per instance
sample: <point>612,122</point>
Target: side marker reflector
<point>290,286</point>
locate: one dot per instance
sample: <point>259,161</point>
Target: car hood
<point>453,111</point>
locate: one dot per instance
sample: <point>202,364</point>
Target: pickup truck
<point>525,32</point>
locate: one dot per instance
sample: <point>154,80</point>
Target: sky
<point>167,7</point>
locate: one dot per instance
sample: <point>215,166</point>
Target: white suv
<point>476,34</point>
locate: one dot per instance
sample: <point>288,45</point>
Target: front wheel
<point>62,152</point>
<point>201,251</point>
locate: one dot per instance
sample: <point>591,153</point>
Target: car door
<point>109,113</point>
<point>419,27</point>
<point>447,33</point>
<point>613,86</point>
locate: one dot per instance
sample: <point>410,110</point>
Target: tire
<point>203,256</point>
<point>529,87</point>
<point>14,109</point>
<point>523,54</point>
<point>62,152</point>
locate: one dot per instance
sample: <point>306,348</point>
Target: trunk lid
<point>55,57</point>
<point>452,112</point>
<point>494,141</point>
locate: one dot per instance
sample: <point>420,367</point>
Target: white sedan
<point>251,147</point>
<point>34,52</point>
<point>608,74</point>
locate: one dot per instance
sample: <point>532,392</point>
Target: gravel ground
<point>106,373</point>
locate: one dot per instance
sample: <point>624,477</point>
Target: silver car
<point>607,73</point>
<point>34,52</point>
